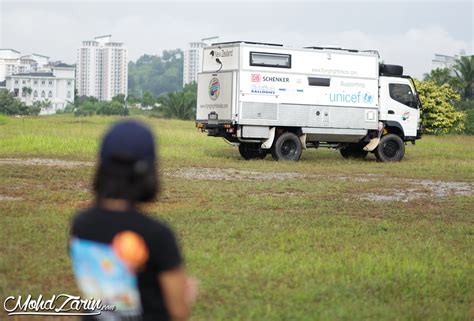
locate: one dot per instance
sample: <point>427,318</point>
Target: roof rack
<point>248,42</point>
<point>332,48</point>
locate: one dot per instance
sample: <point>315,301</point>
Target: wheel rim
<point>390,149</point>
<point>288,148</point>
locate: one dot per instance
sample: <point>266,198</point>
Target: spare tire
<point>391,70</point>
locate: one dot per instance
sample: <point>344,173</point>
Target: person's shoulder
<point>155,224</point>
<point>83,217</point>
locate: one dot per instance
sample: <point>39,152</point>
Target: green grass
<point>293,249</point>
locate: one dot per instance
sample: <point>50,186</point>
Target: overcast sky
<point>404,32</point>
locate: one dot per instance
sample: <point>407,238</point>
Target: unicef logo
<point>368,98</point>
<point>214,88</point>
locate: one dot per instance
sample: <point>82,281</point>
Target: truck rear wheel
<point>252,151</point>
<point>390,149</point>
<point>287,147</point>
<point>354,150</point>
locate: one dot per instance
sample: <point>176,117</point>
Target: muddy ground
<point>417,188</point>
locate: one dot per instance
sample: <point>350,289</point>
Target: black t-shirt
<point>95,229</point>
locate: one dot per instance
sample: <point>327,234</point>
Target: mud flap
<point>374,142</point>
<point>269,142</point>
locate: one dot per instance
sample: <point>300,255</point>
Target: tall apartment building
<point>102,68</point>
<point>12,62</point>
<point>192,59</point>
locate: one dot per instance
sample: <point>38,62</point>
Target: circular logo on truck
<point>214,88</point>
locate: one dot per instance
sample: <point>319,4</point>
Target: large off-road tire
<point>354,151</point>
<point>287,147</point>
<point>252,151</point>
<point>390,149</point>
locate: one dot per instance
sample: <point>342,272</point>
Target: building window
<point>50,82</point>
<point>68,94</point>
<point>50,94</point>
<point>16,82</point>
<point>36,82</point>
<point>23,82</point>
<point>23,93</point>
<point>43,82</point>
<point>43,94</point>
<point>35,94</point>
<point>69,83</point>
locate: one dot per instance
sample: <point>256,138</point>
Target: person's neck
<point>117,205</point>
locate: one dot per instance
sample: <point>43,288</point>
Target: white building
<point>54,85</point>
<point>102,68</point>
<point>443,61</point>
<point>12,62</point>
<point>192,60</point>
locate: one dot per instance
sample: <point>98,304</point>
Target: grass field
<point>321,239</point>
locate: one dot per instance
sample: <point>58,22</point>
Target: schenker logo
<point>276,79</point>
<point>259,78</point>
<point>61,304</point>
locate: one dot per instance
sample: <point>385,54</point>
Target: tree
<point>156,74</point>
<point>10,105</point>
<point>441,76</point>
<point>179,105</point>
<point>438,113</point>
<point>148,100</point>
<point>464,69</point>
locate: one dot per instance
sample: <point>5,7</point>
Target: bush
<point>89,108</point>
<point>438,113</point>
<point>10,105</point>
<point>469,123</point>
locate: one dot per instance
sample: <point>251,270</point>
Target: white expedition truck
<point>271,99</point>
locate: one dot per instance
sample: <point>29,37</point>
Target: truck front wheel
<point>390,149</point>
<point>252,151</point>
<point>287,147</point>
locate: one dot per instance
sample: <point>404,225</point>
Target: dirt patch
<point>43,162</point>
<point>420,189</point>
<point>9,198</point>
<point>228,174</point>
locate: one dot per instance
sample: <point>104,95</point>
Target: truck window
<point>403,94</point>
<point>265,59</point>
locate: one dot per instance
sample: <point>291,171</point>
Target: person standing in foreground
<point>119,255</point>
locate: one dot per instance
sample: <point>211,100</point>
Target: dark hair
<point>120,178</point>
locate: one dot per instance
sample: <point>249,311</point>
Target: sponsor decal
<point>406,115</point>
<point>61,304</point>
<point>262,89</point>
<point>368,98</point>
<point>224,53</point>
<point>214,88</point>
<point>352,84</point>
<point>256,78</point>
<point>276,79</point>
<point>353,98</point>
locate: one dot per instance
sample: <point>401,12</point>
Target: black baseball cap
<point>128,141</point>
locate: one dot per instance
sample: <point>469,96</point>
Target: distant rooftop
<point>62,65</point>
<point>35,74</point>
<point>10,49</point>
<point>35,54</point>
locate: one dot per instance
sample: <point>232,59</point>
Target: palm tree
<point>464,70</point>
<point>178,105</point>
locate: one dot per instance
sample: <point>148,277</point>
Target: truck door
<point>215,97</point>
<point>398,103</point>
